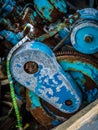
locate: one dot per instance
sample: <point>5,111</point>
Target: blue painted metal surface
<point>78,69</point>
<point>11,37</point>
<point>7,7</point>
<point>89,13</point>
<point>82,67</point>
<point>78,74</point>
<point>91,94</point>
<point>49,82</point>
<point>63,33</point>
<point>84,37</point>
<point>18,91</point>
<point>45,8</point>
<point>35,100</point>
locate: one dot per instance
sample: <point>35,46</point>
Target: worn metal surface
<point>86,119</point>
<point>72,60</point>
<point>49,80</point>
<point>82,78</point>
<point>71,20</point>
<point>31,17</point>
<point>7,7</point>
<point>50,10</point>
<point>36,109</point>
<point>63,33</point>
<point>83,70</point>
<point>11,37</point>
<point>84,37</point>
<point>89,13</point>
<point>85,32</point>
<point>27,19</point>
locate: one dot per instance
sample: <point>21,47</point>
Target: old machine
<point>49,52</point>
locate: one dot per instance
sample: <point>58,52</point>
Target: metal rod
<point>60,44</point>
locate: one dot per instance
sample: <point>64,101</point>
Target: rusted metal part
<point>37,32</point>
<point>56,15</point>
<point>47,113</point>
<point>60,44</point>
<point>69,51</point>
<point>20,92</point>
<point>45,116</point>
<point>75,57</point>
<point>50,10</point>
<point>32,17</point>
<point>38,112</point>
<point>53,112</point>
<point>96,56</point>
<point>59,27</point>
<point>86,119</point>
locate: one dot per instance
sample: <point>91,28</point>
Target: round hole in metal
<point>31,67</point>
<point>68,102</point>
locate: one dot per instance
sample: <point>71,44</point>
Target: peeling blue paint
<point>45,8</point>
<point>11,37</point>
<point>84,37</point>
<point>83,67</point>
<point>50,82</point>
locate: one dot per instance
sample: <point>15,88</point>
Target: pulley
<point>34,66</point>
<point>84,37</point>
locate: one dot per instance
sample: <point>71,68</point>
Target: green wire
<point>19,119</point>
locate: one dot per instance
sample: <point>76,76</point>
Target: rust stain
<point>39,113</point>
<point>56,15</point>
<point>74,56</point>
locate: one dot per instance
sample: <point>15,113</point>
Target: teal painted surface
<point>80,43</point>
<point>60,5</point>
<point>50,82</point>
<point>33,16</point>
<point>89,13</point>
<point>85,68</point>
<point>45,8</point>
<point>84,36</point>
<point>79,78</point>
<point>34,100</point>
<point>44,48</point>
<point>91,94</point>
<point>12,37</point>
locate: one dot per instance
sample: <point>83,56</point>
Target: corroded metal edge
<point>80,118</point>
